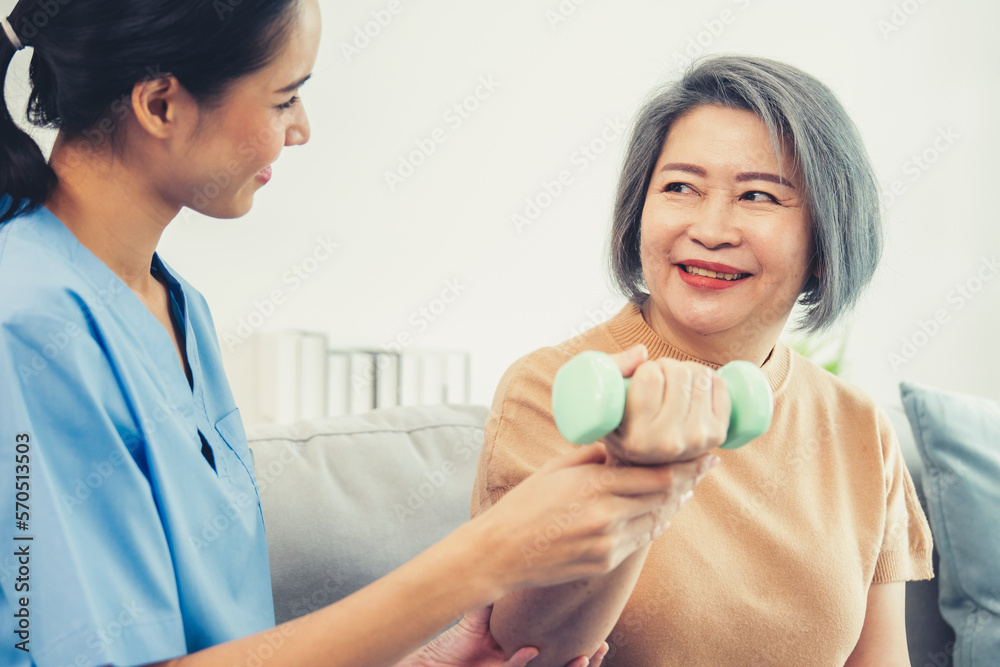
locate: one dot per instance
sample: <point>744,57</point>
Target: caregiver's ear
<point>160,104</point>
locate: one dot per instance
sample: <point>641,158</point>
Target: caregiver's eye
<point>757,195</point>
<point>289,104</point>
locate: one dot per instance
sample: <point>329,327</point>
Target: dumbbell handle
<point>588,399</point>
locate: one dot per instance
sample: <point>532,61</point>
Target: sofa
<point>348,499</point>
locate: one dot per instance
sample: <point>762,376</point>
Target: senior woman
<point>745,189</point>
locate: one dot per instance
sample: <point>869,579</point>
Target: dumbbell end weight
<point>588,397</point>
<point>752,402</point>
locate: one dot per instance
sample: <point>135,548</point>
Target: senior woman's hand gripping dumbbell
<point>588,399</point>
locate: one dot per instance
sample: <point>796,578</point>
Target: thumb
<point>594,453</point>
<point>631,359</point>
<point>478,618</point>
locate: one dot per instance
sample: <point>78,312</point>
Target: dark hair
<point>799,110</point>
<point>89,54</point>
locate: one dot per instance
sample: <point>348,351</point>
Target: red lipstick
<point>705,282</point>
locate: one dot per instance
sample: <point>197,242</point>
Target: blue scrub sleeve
<point>100,586</point>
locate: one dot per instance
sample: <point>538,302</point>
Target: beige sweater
<point>770,562</point>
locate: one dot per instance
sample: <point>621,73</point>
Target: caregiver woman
<point>110,366</point>
<point>745,189</point>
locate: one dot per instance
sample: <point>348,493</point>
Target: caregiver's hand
<point>674,411</point>
<point>470,644</point>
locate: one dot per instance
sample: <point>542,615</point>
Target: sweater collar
<point>629,328</point>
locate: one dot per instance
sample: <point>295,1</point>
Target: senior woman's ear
<point>815,264</point>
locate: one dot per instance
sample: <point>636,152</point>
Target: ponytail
<point>24,173</point>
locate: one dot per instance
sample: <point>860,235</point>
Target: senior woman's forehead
<point>714,137</point>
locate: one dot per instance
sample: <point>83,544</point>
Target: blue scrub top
<point>134,549</point>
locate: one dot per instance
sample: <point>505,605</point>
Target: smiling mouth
<point>695,271</point>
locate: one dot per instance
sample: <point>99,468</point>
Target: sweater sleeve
<point>520,433</point>
<point>906,543</point>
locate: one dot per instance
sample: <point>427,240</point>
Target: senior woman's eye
<point>757,195</point>
<point>681,188</point>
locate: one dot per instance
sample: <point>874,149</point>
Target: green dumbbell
<point>588,399</point>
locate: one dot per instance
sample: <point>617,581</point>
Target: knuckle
<point>703,379</point>
<point>683,372</point>
<point>694,368</point>
<point>640,449</point>
<point>718,435</point>
<point>646,372</point>
<point>668,477</point>
<point>672,444</point>
<point>597,522</point>
<point>600,550</point>
<point>700,435</point>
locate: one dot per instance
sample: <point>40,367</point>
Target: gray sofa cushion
<point>958,436</point>
<point>348,499</point>
<point>930,639</point>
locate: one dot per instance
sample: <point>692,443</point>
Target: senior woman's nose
<point>712,224</point>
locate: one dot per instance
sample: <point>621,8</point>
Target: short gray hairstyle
<point>841,188</point>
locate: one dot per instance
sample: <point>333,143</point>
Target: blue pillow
<point>958,437</point>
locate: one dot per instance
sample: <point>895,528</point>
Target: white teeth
<point>712,274</point>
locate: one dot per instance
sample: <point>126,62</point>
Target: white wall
<point>559,86</point>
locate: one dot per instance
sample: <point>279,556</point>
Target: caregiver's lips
<point>264,175</point>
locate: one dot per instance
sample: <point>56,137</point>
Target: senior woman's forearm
<point>567,620</point>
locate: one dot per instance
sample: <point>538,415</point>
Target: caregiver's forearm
<point>567,620</point>
<point>380,624</point>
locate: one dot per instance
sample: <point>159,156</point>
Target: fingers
<point>594,453</point>
<point>522,657</point>
<point>646,393</point>
<point>636,520</point>
<point>674,411</point>
<point>594,661</point>
<point>644,480</point>
<point>722,404</point>
<point>630,359</point>
<point>645,527</point>
<point>599,656</point>
<point>648,526</point>
<point>704,429</point>
<point>645,513</point>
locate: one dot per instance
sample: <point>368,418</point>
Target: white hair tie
<point>11,35</point>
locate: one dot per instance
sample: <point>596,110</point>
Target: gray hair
<point>841,188</point>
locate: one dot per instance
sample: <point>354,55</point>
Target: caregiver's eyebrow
<point>294,86</point>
